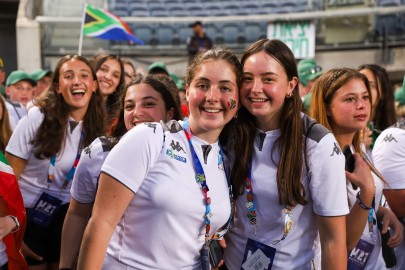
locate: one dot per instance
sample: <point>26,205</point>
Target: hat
<point>19,75</point>
<point>195,23</point>
<point>1,63</point>
<point>40,73</point>
<point>158,67</point>
<point>308,70</point>
<point>400,94</point>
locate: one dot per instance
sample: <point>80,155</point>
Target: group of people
<point>113,176</point>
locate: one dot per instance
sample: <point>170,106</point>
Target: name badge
<point>44,210</point>
<point>258,256</point>
<point>360,255</point>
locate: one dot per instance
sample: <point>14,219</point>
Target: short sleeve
<point>327,178</point>
<point>85,181</point>
<point>20,141</point>
<point>131,159</point>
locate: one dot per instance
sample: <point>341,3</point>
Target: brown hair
<point>6,131</point>
<point>290,189</point>
<point>323,93</point>
<point>161,84</point>
<point>52,132</point>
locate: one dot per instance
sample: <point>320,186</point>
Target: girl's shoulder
<point>313,130</point>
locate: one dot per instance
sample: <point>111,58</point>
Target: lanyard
<point>201,179</point>
<point>251,208</point>
<point>71,173</point>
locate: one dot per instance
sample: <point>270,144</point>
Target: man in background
<point>199,42</point>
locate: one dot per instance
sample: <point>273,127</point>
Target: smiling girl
<point>161,207</point>
<point>44,151</point>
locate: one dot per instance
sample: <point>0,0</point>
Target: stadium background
<point>35,33</point>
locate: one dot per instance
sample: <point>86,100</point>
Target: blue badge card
<point>360,255</point>
<point>44,210</point>
<point>258,256</point>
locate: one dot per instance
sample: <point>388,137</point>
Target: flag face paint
<point>103,24</point>
<point>231,103</point>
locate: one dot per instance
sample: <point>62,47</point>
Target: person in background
<point>43,79</point>
<point>12,219</point>
<point>341,101</point>
<point>183,102</point>
<point>145,99</point>
<point>389,159</point>
<point>400,100</point>
<point>19,88</point>
<point>199,42</point>
<point>2,78</point>
<point>288,173</point>
<point>165,209</point>
<point>6,131</point>
<point>308,72</point>
<point>45,149</point>
<point>129,70</point>
<point>158,68</point>
<point>382,103</point>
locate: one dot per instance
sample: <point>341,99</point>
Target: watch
<point>17,223</point>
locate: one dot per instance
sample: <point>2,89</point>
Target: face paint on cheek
<point>231,103</point>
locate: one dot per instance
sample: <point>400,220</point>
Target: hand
<point>361,176</point>
<point>27,252</point>
<point>389,220</point>
<point>7,225</point>
<point>367,137</point>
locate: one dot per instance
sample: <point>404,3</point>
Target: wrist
<point>362,204</point>
<point>16,222</point>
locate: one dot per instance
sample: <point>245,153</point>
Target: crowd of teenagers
<point>252,163</point>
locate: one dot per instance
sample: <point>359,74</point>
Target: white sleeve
<point>85,181</point>
<point>327,178</point>
<point>389,157</point>
<point>131,159</point>
<point>20,141</point>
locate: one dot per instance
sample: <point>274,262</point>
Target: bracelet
<point>360,202</point>
<point>17,223</point>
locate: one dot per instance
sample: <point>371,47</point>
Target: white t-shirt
<point>389,159</point>
<point>33,179</point>
<point>324,184</point>
<point>16,111</point>
<point>374,259</point>
<point>85,181</point>
<point>163,226</point>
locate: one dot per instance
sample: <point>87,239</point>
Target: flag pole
<point>81,31</point>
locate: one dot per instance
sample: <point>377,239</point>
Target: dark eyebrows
<point>222,81</point>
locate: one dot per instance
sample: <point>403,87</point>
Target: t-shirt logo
<point>151,125</point>
<point>176,146</point>
<point>336,150</point>
<point>389,138</point>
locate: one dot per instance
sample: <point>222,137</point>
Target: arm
<point>396,201</point>
<point>73,228</point>
<point>388,218</point>
<point>18,164</point>
<point>112,199</point>
<point>333,241</point>
<point>357,218</point>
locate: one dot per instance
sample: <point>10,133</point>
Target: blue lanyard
<point>201,179</point>
<point>71,173</point>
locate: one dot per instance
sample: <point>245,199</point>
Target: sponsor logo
<point>389,138</point>
<point>336,150</point>
<point>171,154</point>
<point>151,125</point>
<point>176,146</point>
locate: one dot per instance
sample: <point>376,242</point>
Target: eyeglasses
<point>312,70</point>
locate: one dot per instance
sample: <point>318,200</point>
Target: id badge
<point>360,255</point>
<point>44,210</point>
<point>258,256</point>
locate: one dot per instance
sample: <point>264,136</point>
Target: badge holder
<point>44,210</point>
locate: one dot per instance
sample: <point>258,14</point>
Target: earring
<point>289,95</point>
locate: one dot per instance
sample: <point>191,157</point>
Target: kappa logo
<point>87,151</point>
<point>176,146</point>
<point>171,154</point>
<point>389,138</point>
<point>151,125</point>
<point>336,150</point>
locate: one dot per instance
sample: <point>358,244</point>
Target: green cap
<point>400,94</point>
<point>19,75</point>
<point>40,73</point>
<point>308,70</point>
<point>307,101</point>
<point>158,67</point>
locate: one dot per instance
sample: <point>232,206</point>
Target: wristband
<point>360,202</point>
<point>17,224</point>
